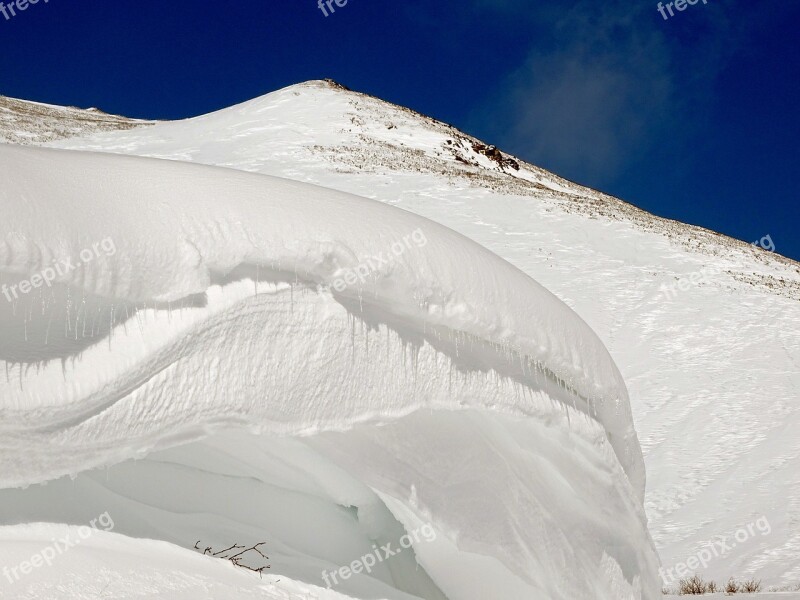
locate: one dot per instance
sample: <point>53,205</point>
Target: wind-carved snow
<point>214,344</point>
<point>713,370</point>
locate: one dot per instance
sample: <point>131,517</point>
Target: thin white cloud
<point>593,99</point>
<point>605,81</point>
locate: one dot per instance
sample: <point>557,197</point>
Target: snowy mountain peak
<point>705,331</point>
<point>326,128</point>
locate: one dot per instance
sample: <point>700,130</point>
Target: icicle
<point>352,320</point>
<point>83,305</point>
<point>416,352</point>
<point>139,322</point>
<point>94,322</point>
<point>110,326</point>
<point>47,330</point>
<point>450,377</point>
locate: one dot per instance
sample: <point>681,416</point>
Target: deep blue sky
<point>693,118</point>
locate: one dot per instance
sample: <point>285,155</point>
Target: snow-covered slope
<point>392,374</point>
<point>712,363</point>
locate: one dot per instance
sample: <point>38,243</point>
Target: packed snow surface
<point>308,368</point>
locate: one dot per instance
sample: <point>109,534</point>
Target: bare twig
<point>237,558</point>
<point>234,547</point>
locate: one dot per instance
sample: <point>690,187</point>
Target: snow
<point>205,334</point>
<point>713,371</point>
<point>107,565</point>
<point>173,236</point>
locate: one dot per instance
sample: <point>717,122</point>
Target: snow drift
<point>368,357</point>
<point>712,371</point>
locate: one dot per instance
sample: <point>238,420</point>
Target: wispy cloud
<point>589,93</point>
<point>605,81</point>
